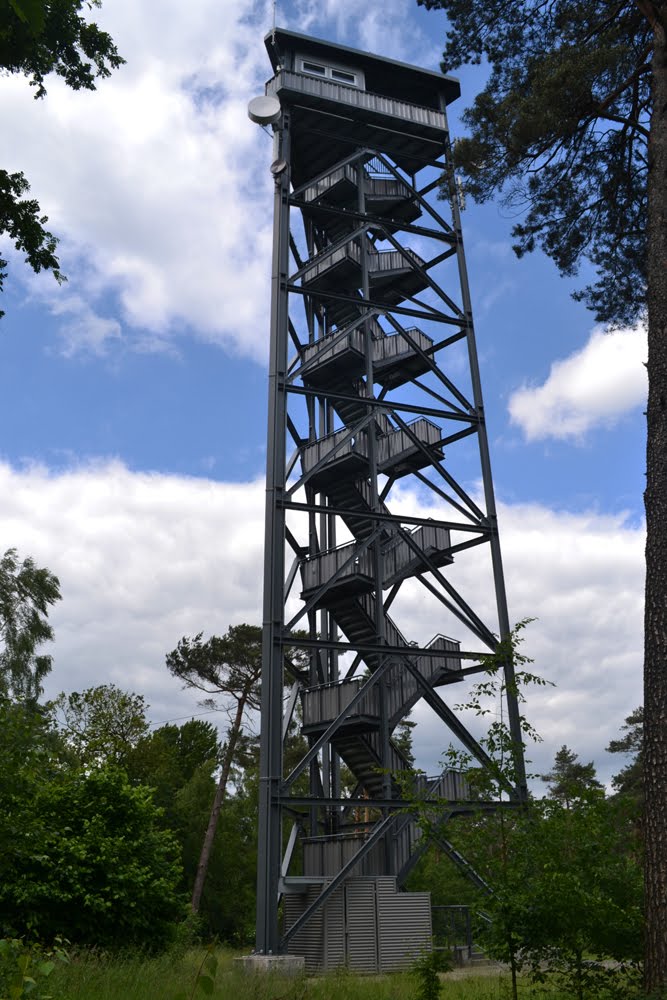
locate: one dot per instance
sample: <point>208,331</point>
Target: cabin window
<point>343,77</point>
<point>349,78</point>
<point>315,68</point>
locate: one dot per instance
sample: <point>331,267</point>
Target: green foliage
<point>26,593</point>
<point>570,780</point>
<point>565,890</point>
<point>178,764</point>
<point>228,901</point>
<point>92,976</point>
<point>502,769</point>
<point>81,853</point>
<point>204,983</point>
<point>100,725</point>
<point>402,740</point>
<point>39,37</point>
<point>630,780</point>
<point>171,757</point>
<point>26,763</point>
<point>561,128</point>
<point>24,968</point>
<point>227,665</point>
<point>448,886</point>
<point>22,221</point>
<point>425,971</point>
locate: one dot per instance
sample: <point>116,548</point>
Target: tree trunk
<point>219,798</point>
<point>655,642</point>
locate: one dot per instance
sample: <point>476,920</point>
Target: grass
<point>91,976</point>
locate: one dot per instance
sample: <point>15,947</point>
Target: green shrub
<point>98,867</point>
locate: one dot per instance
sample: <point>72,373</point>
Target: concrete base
<point>283,965</point>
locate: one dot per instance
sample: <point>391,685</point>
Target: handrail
<point>359,98</point>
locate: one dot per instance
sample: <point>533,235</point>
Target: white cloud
<point>144,559</point>
<point>592,387</point>
<point>157,183</point>
<point>382,28</point>
<point>84,330</point>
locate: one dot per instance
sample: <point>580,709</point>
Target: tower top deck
<point>382,76</point>
<point>343,99</point>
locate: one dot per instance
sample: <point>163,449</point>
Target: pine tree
<point>572,127</point>
<point>570,780</point>
<point>630,780</point>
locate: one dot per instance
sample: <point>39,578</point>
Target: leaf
<point>206,984</point>
<point>31,12</point>
<point>211,963</point>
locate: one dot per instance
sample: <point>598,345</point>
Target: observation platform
<point>343,99</point>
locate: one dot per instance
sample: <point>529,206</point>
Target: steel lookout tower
<point>378,532</point>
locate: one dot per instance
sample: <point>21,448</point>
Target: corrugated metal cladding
<point>404,925</point>
<point>361,925</point>
<point>327,855</point>
<point>366,925</point>
<point>307,941</point>
<point>333,930</point>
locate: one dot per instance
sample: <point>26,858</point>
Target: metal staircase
<point>337,465</point>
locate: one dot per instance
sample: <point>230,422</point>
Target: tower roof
<point>386,77</point>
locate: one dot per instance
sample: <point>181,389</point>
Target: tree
<point>103,872</point>
<point>100,725</point>
<point>25,762</point>
<point>38,37</point>
<point>82,853</point>
<point>565,892</point>
<point>169,757</point>
<point>572,127</point>
<point>630,780</point>
<point>570,780</point>
<point>227,666</point>
<point>26,593</point>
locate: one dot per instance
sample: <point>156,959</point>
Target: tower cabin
<point>343,98</point>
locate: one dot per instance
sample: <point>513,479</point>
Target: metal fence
<point>452,930</point>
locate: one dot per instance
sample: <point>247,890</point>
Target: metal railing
<point>353,97</point>
<point>452,930</point>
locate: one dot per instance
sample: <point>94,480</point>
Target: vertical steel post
<point>269,820</point>
<point>514,717</point>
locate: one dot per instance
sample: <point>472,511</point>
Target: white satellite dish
<point>264,110</point>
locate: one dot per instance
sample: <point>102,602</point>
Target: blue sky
<point>133,398</point>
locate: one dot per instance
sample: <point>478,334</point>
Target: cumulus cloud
<point>373,28</point>
<point>580,576</point>
<point>592,387</point>
<point>158,183</point>
<point>144,559</point>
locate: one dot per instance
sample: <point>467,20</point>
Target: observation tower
<point>376,522</point>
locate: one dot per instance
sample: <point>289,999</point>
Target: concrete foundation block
<point>283,965</point>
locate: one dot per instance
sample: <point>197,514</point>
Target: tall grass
<point>91,976</point>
